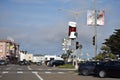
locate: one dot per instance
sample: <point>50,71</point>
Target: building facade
<point>9,50</point>
<point>25,56</point>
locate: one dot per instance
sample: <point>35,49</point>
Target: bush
<point>66,66</point>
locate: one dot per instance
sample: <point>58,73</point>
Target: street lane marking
<point>19,72</point>
<point>34,72</point>
<point>40,78</point>
<point>48,72</point>
<point>61,72</point>
<point>4,72</point>
<point>29,68</point>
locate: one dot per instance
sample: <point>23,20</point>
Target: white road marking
<point>48,72</point>
<point>4,72</point>
<point>34,72</point>
<point>40,78</point>
<point>19,72</point>
<point>29,68</point>
<point>61,72</point>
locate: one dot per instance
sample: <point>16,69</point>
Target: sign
<point>72,30</point>
<point>99,17</point>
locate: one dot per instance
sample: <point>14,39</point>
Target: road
<point>34,72</point>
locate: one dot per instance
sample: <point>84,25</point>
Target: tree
<point>66,56</point>
<point>105,49</point>
<point>114,42</point>
<point>103,56</point>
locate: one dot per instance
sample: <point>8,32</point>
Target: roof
<point>8,41</point>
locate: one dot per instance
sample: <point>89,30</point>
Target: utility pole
<point>95,28</point>
<point>76,13</point>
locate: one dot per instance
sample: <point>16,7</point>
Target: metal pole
<point>95,28</point>
<point>76,16</point>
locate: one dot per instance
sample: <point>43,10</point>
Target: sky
<point>39,26</point>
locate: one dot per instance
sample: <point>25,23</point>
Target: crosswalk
<point>14,69</point>
<point>25,72</point>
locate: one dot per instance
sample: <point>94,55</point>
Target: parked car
<point>87,68</point>
<point>109,68</point>
<point>24,63</point>
<point>54,63</point>
<point>3,62</point>
<point>39,63</point>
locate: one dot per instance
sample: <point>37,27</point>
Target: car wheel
<point>102,74</point>
<point>85,72</point>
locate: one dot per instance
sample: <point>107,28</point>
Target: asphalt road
<point>34,72</point>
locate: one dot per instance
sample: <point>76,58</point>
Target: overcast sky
<point>39,26</point>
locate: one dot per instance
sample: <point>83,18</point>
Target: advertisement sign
<point>99,17</point>
<point>72,30</point>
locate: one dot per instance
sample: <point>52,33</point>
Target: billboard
<point>99,17</point>
<point>72,30</point>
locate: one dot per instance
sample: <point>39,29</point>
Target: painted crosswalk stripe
<point>4,72</point>
<point>48,72</point>
<point>34,72</point>
<point>19,72</point>
<point>61,72</point>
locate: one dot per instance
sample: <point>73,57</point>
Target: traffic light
<point>93,40</point>
<point>77,45</point>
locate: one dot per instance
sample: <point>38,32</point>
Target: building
<point>9,50</point>
<point>52,57</point>
<point>38,58</point>
<point>25,56</point>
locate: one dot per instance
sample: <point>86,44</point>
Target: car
<point>87,68</point>
<point>108,68</point>
<point>3,62</point>
<point>24,63</point>
<point>38,63</point>
<point>55,63</point>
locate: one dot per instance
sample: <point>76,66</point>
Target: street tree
<point>113,42</point>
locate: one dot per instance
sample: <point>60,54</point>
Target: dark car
<point>54,63</point>
<point>24,63</point>
<point>39,63</point>
<point>109,68</point>
<point>87,68</point>
<point>3,62</point>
